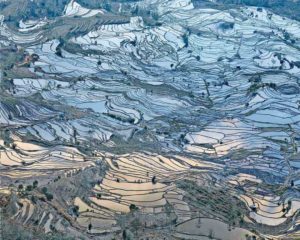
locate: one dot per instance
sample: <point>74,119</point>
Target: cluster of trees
<point>28,188</point>
<point>48,195</point>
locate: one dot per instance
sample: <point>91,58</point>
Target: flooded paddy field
<point>179,123</point>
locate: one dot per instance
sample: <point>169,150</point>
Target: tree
<point>44,190</point>
<point>153,180</point>
<point>124,235</point>
<point>76,210</point>
<point>33,199</point>
<point>58,52</point>
<point>35,183</point>
<point>133,207</point>
<point>289,204</point>
<point>90,226</point>
<point>49,196</point>
<point>185,39</point>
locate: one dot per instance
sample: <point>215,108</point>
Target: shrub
<point>133,207</point>
<point>35,183</point>
<point>44,190</point>
<point>49,196</point>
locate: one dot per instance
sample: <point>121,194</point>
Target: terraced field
<point>177,123</point>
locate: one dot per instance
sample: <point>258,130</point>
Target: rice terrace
<point>149,119</point>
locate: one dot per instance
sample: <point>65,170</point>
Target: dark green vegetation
<point>14,231</point>
<point>209,200</point>
<point>23,9</point>
<point>289,8</point>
